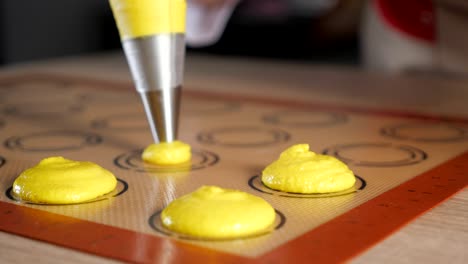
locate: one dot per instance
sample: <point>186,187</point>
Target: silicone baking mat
<point>405,164</point>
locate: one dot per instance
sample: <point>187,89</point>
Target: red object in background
<point>415,18</point>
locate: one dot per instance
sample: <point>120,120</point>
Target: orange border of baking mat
<point>356,230</point>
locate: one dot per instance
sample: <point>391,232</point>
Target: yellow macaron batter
<point>167,153</point>
<point>57,180</point>
<point>299,170</point>
<point>215,213</point>
<point>140,18</point>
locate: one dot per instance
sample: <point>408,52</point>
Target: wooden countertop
<point>440,235</point>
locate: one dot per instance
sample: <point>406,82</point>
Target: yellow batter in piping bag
<point>299,170</point>
<point>140,18</point>
<point>57,180</point>
<point>215,213</point>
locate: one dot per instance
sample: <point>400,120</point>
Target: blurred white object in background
<point>425,36</point>
<point>452,34</point>
<point>205,24</point>
<point>387,47</point>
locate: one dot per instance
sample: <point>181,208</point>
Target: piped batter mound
<point>167,153</point>
<point>57,180</point>
<point>215,213</point>
<point>299,170</point>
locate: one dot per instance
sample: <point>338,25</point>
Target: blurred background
<point>384,35</point>
<point>35,30</point>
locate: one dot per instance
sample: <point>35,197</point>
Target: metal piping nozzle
<point>157,64</point>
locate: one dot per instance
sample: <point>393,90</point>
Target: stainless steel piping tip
<point>162,111</point>
<point>157,63</point>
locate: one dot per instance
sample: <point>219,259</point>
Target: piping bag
<point>153,39</point>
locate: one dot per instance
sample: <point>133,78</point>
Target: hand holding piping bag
<point>153,38</point>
